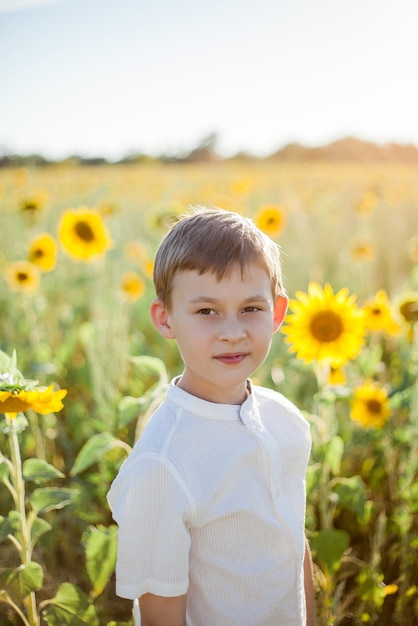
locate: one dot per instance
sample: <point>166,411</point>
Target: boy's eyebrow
<point>255,298</point>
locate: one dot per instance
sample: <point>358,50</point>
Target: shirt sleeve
<point>151,506</point>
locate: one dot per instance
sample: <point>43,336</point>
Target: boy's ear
<point>159,317</point>
<point>280,310</point>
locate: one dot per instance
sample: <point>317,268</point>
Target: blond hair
<point>213,240</point>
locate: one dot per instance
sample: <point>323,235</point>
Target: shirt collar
<point>212,410</point>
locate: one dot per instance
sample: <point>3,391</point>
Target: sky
<point>117,77</point>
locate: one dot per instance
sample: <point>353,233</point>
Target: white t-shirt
<point>211,502</point>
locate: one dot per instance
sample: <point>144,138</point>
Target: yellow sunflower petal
<point>43,252</point>
<point>22,276</point>
<point>132,286</point>
<point>325,326</point>
<point>370,405</point>
<point>41,401</point>
<point>270,219</point>
<point>83,234</point>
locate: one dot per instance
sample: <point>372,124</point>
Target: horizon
<point>183,156</point>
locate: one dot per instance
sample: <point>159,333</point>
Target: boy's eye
<point>205,311</point>
<point>251,309</point>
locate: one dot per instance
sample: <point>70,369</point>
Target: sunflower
<point>378,314</point>
<point>18,393</point>
<point>270,219</point>
<point>324,326</point>
<point>135,250</point>
<point>32,206</point>
<point>336,376</point>
<point>363,252</point>
<point>40,400</point>
<point>367,204</point>
<point>22,276</point>
<point>83,234</point>
<point>148,267</point>
<point>413,249</point>
<point>133,286</point>
<point>370,405</point>
<point>408,307</point>
<point>43,252</point>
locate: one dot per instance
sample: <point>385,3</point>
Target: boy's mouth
<point>231,358</point>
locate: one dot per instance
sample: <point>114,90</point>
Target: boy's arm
<point>309,587</point>
<point>161,611</point>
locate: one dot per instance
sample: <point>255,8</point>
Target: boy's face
<point>223,329</point>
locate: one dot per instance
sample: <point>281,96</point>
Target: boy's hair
<point>213,240</point>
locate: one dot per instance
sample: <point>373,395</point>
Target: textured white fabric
<point>211,502</point>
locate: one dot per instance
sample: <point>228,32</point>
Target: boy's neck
<point>236,396</point>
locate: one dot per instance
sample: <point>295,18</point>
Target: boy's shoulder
<point>266,394</point>
<point>278,404</point>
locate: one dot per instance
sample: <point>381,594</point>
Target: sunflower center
<point>409,311</point>
<point>374,406</point>
<point>38,253</point>
<point>84,231</point>
<point>30,206</point>
<point>326,326</point>
<point>376,311</point>
<point>22,277</point>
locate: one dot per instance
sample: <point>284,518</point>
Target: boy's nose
<point>232,331</point>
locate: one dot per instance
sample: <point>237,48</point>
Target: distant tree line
<point>346,149</point>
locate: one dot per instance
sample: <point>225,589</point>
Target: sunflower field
<point>81,368</point>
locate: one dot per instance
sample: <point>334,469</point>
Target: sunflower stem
<point>407,477</point>
<point>19,488</point>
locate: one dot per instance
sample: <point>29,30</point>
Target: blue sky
<point>110,77</point>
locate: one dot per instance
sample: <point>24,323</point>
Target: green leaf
<point>49,498</point>
<point>39,528</point>
<point>150,367</point>
<point>328,546</point>
<point>4,468</point>
<point>368,360</point>
<point>20,581</point>
<point>18,424</point>
<point>333,454</point>
<point>313,477</point>
<point>6,361</point>
<point>93,450</point>
<point>101,548</point>
<point>9,525</point>
<point>39,471</point>
<point>70,607</point>
<point>128,409</point>
<point>351,494</point>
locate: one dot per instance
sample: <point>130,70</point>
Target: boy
<point>211,502</point>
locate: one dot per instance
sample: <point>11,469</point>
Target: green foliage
<point>18,582</point>
<point>333,453</point>
<point>351,494</point>
<point>100,545</point>
<point>50,498</point>
<point>70,606</point>
<point>9,525</point>
<point>38,471</point>
<point>328,546</point>
<point>94,450</point>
